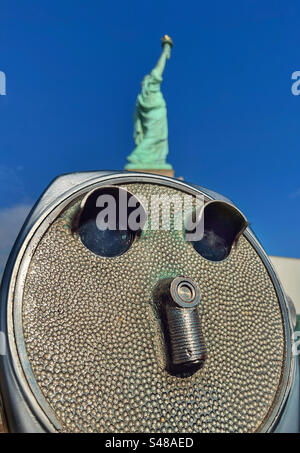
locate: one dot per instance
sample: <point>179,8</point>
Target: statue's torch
<point>167,45</point>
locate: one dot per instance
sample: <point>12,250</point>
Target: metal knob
<point>179,299</point>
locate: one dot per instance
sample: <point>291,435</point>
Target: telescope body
<point>139,329</point>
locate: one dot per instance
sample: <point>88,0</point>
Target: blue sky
<point>74,68</point>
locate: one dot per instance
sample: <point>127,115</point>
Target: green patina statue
<point>150,119</point>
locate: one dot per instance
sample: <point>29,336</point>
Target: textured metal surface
<point>186,340</point>
<point>95,343</point>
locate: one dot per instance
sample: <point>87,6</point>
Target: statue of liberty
<point>150,119</point>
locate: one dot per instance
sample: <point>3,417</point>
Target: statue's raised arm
<point>167,45</point>
<point>150,119</point>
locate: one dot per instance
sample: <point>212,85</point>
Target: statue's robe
<point>150,126</point>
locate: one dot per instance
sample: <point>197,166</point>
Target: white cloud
<point>11,220</point>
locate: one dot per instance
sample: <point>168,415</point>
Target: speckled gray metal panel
<point>94,340</point>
